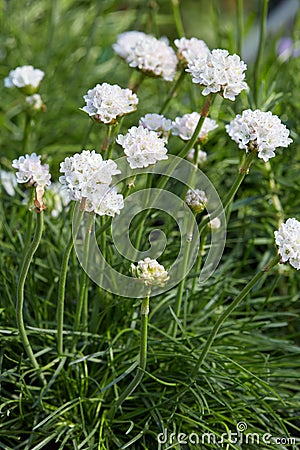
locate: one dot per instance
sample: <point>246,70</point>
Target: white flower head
<point>85,172</point>
<point>126,41</point>
<point>154,57</point>
<point>201,159</point>
<point>185,126</point>
<point>150,272</point>
<point>189,49</point>
<point>106,103</point>
<point>105,201</point>
<point>25,78</point>
<point>260,131</point>
<point>142,147</point>
<point>219,72</point>
<point>32,171</point>
<point>287,239</point>
<point>158,123</point>
<point>196,200</point>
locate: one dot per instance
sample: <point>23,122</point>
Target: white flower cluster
<point>158,123</point>
<point>150,272</point>
<point>152,56</point>
<point>202,156</point>
<point>196,200</point>
<point>87,177</point>
<point>185,126</point>
<point>219,72</point>
<point>105,201</point>
<point>260,131</point>
<point>30,170</point>
<point>106,102</point>
<point>142,147</point>
<point>288,240</point>
<point>126,42</point>
<point>189,49</point>
<point>24,77</point>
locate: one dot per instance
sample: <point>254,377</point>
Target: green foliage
<point>251,373</point>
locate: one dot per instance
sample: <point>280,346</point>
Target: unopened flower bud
<point>196,200</point>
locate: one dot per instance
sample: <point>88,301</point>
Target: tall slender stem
<point>173,91</point>
<point>275,198</point>
<point>106,142</point>
<point>177,18</point>
<point>61,295</point>
<point>62,284</point>
<point>262,38</point>
<point>135,83</point>
<point>140,230</point>
<point>199,259</point>
<point>142,358</point>
<point>243,171</point>
<point>180,289</point>
<point>96,304</point>
<point>182,154</point>
<point>82,300</point>
<point>190,144</point>
<point>229,310</point>
<point>20,291</point>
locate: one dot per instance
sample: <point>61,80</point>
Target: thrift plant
<point>136,238</point>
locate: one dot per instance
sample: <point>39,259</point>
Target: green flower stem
<point>177,18</point>
<point>26,134</point>
<point>262,39</point>
<point>243,171</point>
<point>61,295</point>
<point>173,91</point>
<point>199,259</point>
<point>141,224</point>
<point>229,310</point>
<point>62,284</point>
<point>276,200</point>
<point>142,358</point>
<point>240,26</point>
<point>180,289</point>
<point>96,304</point>
<point>106,142</point>
<point>188,146</point>
<point>81,311</point>
<point>20,291</point>
<point>136,81</point>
